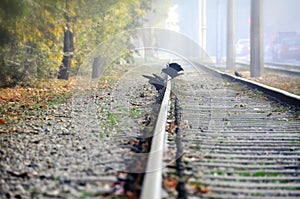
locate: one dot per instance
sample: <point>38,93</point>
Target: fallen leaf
<point>204,189</point>
<point>13,129</point>
<point>171,127</point>
<point>130,195</point>
<point>170,183</point>
<point>298,118</point>
<point>264,98</point>
<point>191,187</point>
<point>2,121</point>
<point>136,104</point>
<point>132,142</point>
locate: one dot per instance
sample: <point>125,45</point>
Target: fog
<point>279,16</point>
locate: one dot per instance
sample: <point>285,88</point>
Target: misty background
<point>279,16</point>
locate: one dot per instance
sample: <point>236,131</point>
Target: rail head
<point>152,185</point>
<point>274,93</point>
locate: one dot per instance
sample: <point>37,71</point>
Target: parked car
<point>287,48</point>
<point>243,47</point>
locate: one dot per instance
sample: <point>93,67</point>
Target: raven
<point>238,74</point>
<point>176,66</point>
<point>173,70</point>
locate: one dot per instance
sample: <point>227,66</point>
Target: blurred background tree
<point>32,33</point>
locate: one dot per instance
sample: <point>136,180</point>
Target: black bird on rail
<point>173,70</point>
<point>238,74</point>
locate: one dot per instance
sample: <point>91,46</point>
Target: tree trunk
<point>96,67</point>
<point>68,54</point>
<point>68,47</point>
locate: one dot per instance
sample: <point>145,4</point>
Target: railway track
<point>234,143</point>
<point>216,139</point>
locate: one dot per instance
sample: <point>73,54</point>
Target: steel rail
<point>294,70</point>
<point>275,93</point>
<point>152,184</point>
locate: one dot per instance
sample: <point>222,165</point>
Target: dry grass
<point>281,81</point>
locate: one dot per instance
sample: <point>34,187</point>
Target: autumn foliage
<point>31,42</point>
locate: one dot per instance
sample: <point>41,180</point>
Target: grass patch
<point>281,109</point>
<point>198,185</point>
<point>259,174</point>
<point>219,173</point>
<point>134,112</point>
